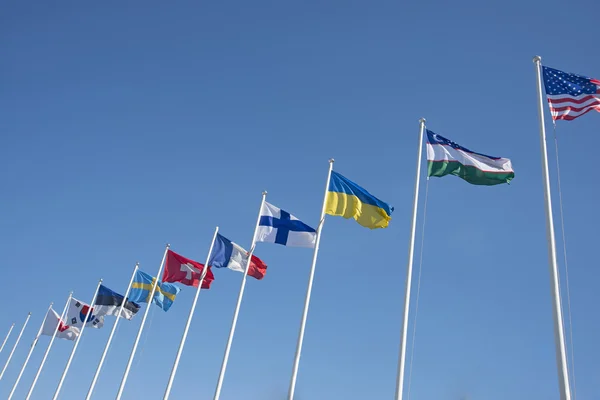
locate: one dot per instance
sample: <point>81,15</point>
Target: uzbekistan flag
<point>444,157</point>
<point>346,199</point>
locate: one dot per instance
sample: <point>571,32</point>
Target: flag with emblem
<point>444,157</point>
<point>227,254</point>
<point>570,95</point>
<point>77,312</point>
<point>281,227</point>
<point>64,331</point>
<point>141,288</point>
<point>185,271</point>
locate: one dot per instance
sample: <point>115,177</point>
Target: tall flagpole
<point>7,336</point>
<point>112,333</point>
<point>237,307</point>
<point>85,322</point>
<point>39,371</point>
<point>139,335</point>
<point>409,267</point>
<point>311,277</point>
<point>559,336</point>
<point>189,321</point>
<point>33,344</point>
<point>15,346</point>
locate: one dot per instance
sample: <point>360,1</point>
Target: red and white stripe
<point>567,107</point>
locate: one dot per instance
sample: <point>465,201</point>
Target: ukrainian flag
<point>346,199</point>
<point>141,289</point>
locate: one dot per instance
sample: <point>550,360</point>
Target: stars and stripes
<point>570,95</point>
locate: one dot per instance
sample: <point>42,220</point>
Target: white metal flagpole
<point>14,346</point>
<point>139,335</point>
<point>559,336</point>
<point>311,277</point>
<point>409,267</point>
<point>7,336</point>
<point>85,322</point>
<point>39,371</point>
<point>33,344</point>
<point>237,307</point>
<point>189,321</point>
<point>110,337</point>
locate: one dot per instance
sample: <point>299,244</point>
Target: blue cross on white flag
<point>279,226</point>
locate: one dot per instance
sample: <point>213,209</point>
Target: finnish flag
<point>279,226</point>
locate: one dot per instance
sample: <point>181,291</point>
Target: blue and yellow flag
<point>346,199</point>
<point>142,288</point>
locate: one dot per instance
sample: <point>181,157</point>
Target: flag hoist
<point>139,335</point>
<point>84,324</point>
<point>6,337</point>
<point>238,304</point>
<point>110,337</point>
<point>39,371</point>
<point>189,320</point>
<point>311,278</point>
<point>559,336</point>
<point>14,347</point>
<point>35,340</point>
<point>409,268</point>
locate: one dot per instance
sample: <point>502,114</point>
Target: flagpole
<point>311,276</point>
<point>139,334</point>
<point>6,338</point>
<point>33,344</point>
<point>559,336</point>
<point>85,322</point>
<point>189,320</point>
<point>239,303</point>
<point>39,371</point>
<point>409,267</point>
<point>14,346</point>
<point>110,337</point>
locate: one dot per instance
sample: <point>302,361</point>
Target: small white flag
<point>64,331</point>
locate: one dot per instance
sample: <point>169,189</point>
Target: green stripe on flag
<point>469,173</point>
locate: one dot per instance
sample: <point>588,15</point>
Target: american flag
<point>569,95</point>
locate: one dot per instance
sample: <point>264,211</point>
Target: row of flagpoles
<point>569,96</point>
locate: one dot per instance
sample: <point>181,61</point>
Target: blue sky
<point>127,126</point>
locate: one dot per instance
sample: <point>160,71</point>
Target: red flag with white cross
<point>185,271</point>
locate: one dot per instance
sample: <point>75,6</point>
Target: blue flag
<point>142,288</point>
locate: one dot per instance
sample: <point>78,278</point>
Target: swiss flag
<point>185,271</point>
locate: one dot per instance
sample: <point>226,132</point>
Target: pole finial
<point>168,245</point>
<point>137,263</point>
<point>537,59</point>
<point>422,121</point>
<point>100,281</point>
<point>264,193</point>
<point>331,161</point>
<point>29,313</point>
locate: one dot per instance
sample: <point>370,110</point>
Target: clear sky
<point>127,125</point>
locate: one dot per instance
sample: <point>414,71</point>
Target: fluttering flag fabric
<point>570,95</point>
<point>227,254</point>
<point>279,226</point>
<point>444,157</point>
<point>185,271</point>
<point>108,302</point>
<point>142,288</point>
<point>346,199</point>
<point>64,331</point>
<point>76,315</point>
